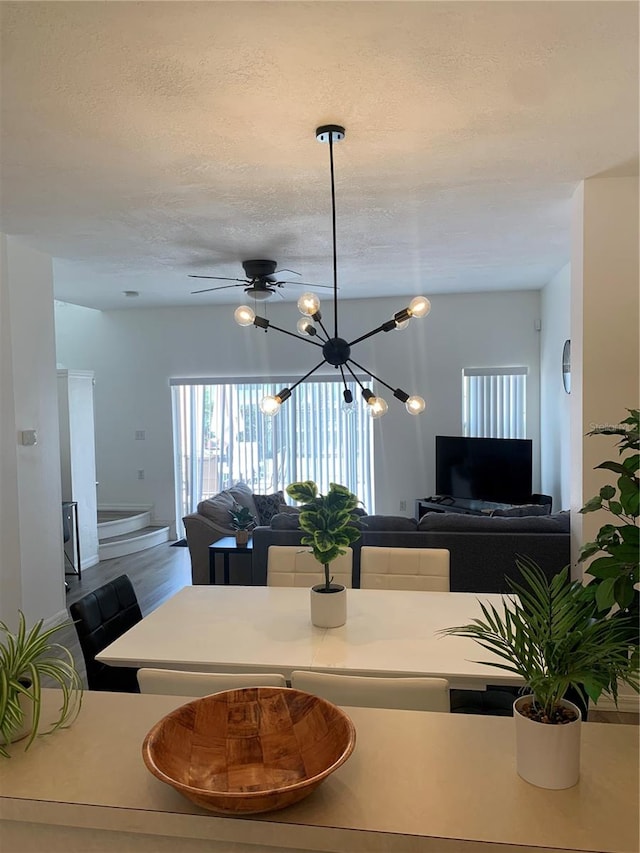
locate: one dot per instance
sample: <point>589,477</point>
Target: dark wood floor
<point>158,573</point>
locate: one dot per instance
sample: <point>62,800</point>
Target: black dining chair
<point>100,618</point>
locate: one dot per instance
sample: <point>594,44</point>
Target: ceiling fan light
<point>415,405</point>
<point>378,407</point>
<point>308,304</point>
<point>244,315</point>
<point>419,306</point>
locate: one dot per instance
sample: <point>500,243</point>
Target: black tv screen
<point>484,469</point>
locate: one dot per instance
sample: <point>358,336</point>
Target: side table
<point>226,546</point>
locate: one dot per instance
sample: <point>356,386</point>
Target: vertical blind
<point>494,402</point>
<point>221,437</point>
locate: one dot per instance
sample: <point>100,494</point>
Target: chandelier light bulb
<point>419,306</point>
<point>415,405</point>
<point>270,405</point>
<point>378,407</point>
<point>308,304</point>
<point>244,316</point>
<point>305,326</point>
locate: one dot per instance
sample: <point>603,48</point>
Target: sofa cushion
<point>268,505</point>
<point>286,520</point>
<point>241,493</point>
<point>388,522</point>
<point>218,509</point>
<point>460,523</point>
<point>519,511</point>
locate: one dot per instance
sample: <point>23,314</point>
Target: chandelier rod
<point>307,375</point>
<point>333,222</point>
<point>355,377</point>
<point>372,375</point>
<point>263,323</point>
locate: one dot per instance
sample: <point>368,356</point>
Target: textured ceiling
<point>145,141</point>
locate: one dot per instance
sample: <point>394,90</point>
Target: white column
<point>31,557</point>
<point>604,333</point>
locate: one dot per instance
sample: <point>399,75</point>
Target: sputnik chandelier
<point>336,350</point>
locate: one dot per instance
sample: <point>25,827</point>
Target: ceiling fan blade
<point>302,284</point>
<point>291,271</point>
<point>221,278</point>
<point>207,289</point>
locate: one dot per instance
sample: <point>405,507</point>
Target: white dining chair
<point>173,682</point>
<point>404,568</point>
<point>406,694</point>
<point>295,565</point>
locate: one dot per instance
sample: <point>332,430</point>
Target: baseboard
<point>58,618</point>
<point>114,507</point>
<point>90,561</point>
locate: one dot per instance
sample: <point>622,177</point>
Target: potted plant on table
<point>26,658</point>
<point>242,522</point>
<point>328,522</point>
<point>546,634</point>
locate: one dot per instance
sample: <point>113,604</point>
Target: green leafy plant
<point>616,548</point>
<point>241,518</point>
<point>27,657</point>
<point>327,521</point>
<point>546,633</point>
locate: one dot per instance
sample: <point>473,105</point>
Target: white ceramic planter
<point>547,755</point>
<point>328,609</point>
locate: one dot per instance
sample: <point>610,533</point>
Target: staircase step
<point>114,523</point>
<point>130,543</point>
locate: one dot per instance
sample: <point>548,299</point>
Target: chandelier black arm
<point>344,381</point>
<point>397,392</point>
<point>354,376</point>
<point>307,375</point>
<point>267,324</point>
<point>318,320</point>
<point>385,327</point>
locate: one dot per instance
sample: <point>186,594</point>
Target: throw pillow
<point>388,522</point>
<point>218,509</point>
<point>241,493</point>
<point>267,506</point>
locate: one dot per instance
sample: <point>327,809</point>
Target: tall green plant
<point>25,658</point>
<point>616,548</point>
<point>546,633</point>
<point>327,521</point>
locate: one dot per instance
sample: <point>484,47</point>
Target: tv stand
<point>444,503</point>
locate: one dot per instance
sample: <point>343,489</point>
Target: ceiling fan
<point>261,279</point>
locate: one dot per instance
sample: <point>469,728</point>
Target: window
<point>494,402</point>
<point>221,436</point>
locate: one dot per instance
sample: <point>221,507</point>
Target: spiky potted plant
<point>329,526</point>
<point>26,658</point>
<point>546,633</point>
<point>242,522</point>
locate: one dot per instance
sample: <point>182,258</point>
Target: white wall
<point>555,461</point>
<point>604,326</point>
<point>31,555</point>
<point>134,353</point>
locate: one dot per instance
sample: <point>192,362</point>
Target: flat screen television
<point>484,469</point>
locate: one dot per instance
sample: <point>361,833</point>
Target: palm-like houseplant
<point>327,521</point>
<point>26,658</point>
<point>547,634</point>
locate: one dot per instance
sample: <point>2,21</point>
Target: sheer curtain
<point>221,436</point>
<point>494,402</point>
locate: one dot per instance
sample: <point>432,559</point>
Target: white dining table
<point>262,628</point>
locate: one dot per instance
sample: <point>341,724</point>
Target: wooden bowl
<point>248,751</point>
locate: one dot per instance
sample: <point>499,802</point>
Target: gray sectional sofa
<point>483,549</point>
